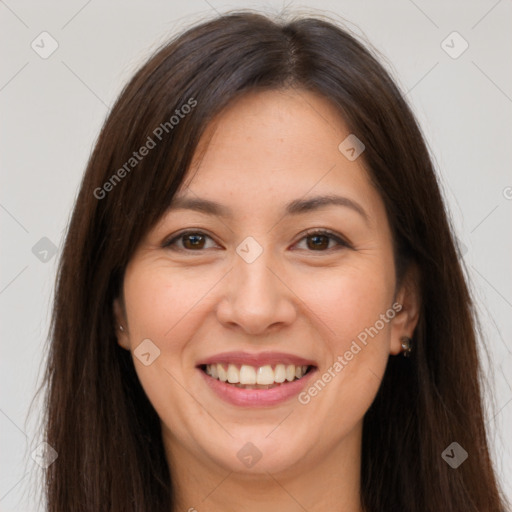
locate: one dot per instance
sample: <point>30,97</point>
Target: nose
<point>257,298</point>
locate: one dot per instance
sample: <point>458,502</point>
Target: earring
<point>121,327</point>
<point>406,345</point>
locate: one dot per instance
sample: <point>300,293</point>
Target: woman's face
<point>249,283</point>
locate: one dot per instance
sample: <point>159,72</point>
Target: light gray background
<point>52,110</point>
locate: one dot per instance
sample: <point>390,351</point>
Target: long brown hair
<point>98,418</point>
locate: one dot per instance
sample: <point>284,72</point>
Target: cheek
<point>168,307</point>
<point>161,302</point>
<point>163,306</point>
<point>349,302</point>
<point>354,309</point>
<point>159,307</point>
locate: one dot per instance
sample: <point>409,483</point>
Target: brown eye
<point>194,241</point>
<point>319,241</point>
<point>190,241</point>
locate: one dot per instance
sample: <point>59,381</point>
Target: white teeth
<point>290,372</point>
<point>265,375</point>
<point>233,374</point>
<point>247,375</point>
<point>250,375</point>
<point>223,376</point>
<point>280,373</point>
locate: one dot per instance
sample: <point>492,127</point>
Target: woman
<point>259,303</point>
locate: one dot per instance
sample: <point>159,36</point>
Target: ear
<point>408,296</point>
<point>123,339</point>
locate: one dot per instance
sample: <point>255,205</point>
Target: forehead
<point>273,147</point>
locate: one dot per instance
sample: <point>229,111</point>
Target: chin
<point>252,451</point>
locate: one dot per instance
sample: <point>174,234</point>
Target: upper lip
<point>257,359</point>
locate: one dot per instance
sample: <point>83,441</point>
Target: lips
<point>265,378</point>
<point>256,359</point>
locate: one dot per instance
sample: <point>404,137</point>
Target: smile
<point>260,379</point>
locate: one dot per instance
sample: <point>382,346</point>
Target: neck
<point>327,481</point>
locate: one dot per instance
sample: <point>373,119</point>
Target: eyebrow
<point>295,207</point>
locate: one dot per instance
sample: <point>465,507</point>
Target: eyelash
<point>340,241</point>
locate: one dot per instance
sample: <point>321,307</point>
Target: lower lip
<point>256,397</point>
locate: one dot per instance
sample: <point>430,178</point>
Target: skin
<point>264,150</point>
